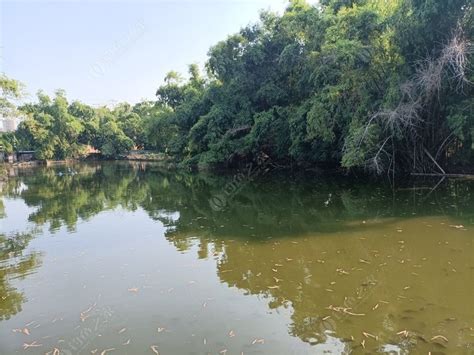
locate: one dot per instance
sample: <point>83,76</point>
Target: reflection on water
<point>131,258</point>
<point>14,265</point>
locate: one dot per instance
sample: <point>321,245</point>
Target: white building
<point>9,124</point>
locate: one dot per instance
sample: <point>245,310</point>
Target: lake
<point>126,258</point>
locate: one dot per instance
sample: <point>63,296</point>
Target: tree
<point>380,85</point>
<point>11,91</point>
<point>51,129</point>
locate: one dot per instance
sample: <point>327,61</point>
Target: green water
<point>121,258</point>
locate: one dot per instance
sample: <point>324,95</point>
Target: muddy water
<point>128,259</point>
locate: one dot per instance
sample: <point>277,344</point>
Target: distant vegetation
<point>380,85</point>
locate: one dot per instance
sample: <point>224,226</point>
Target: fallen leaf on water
<point>231,334</point>
<point>90,308</point>
<point>344,310</point>
<point>154,348</point>
<point>204,341</point>
<point>258,341</point>
<point>273,287</point>
<point>55,351</point>
<point>106,351</point>
<point>160,329</point>
<point>404,333</point>
<point>354,314</point>
<point>26,331</point>
<point>368,335</point>
<point>122,330</point>
<point>277,280</point>
<point>31,345</point>
<point>274,270</point>
<point>439,337</point>
<point>364,261</point>
<point>127,342</point>
<point>288,259</point>
<point>363,343</point>
<point>375,307</point>
<point>84,314</point>
<point>94,351</point>
<point>326,318</point>
<point>223,351</point>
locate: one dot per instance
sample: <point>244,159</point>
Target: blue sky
<point>106,51</point>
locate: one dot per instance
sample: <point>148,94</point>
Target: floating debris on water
<point>368,335</point>
<point>34,344</point>
<point>439,337</point>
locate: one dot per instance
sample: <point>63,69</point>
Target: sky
<point>106,51</point>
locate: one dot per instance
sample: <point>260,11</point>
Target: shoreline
<point>169,164</point>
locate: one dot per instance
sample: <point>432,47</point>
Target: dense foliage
<point>384,85</point>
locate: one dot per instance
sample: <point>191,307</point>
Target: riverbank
<point>262,167</point>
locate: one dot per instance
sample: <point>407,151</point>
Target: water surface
<point>121,258</point>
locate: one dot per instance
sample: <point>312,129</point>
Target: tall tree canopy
<point>374,84</point>
<point>384,85</point>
